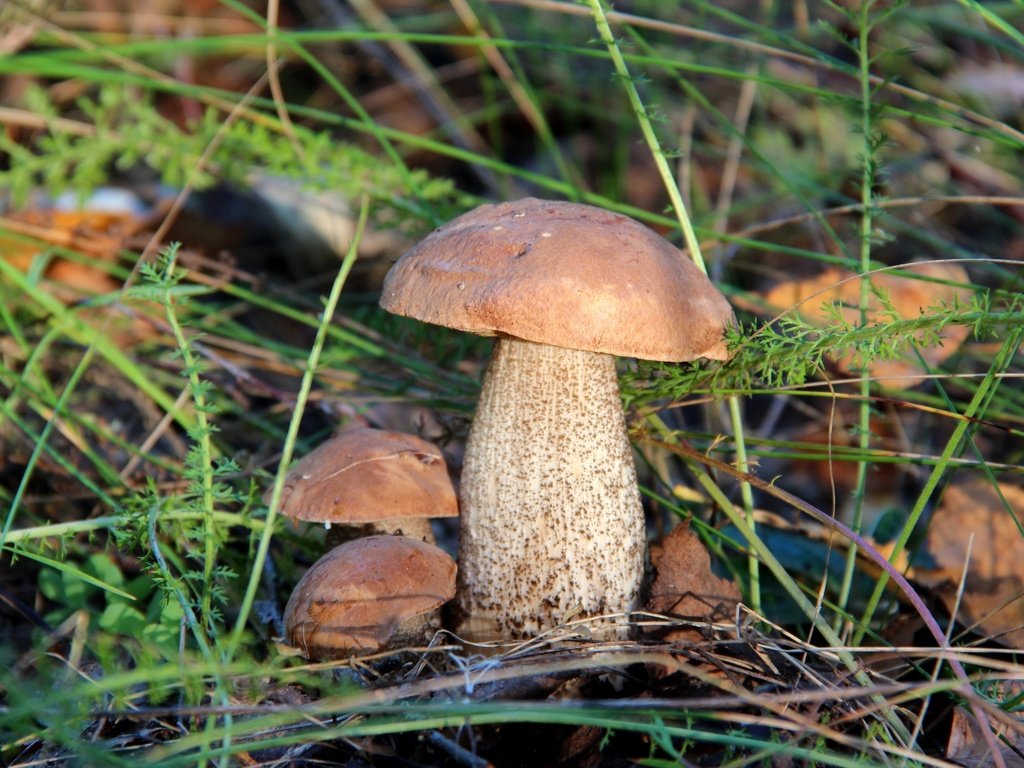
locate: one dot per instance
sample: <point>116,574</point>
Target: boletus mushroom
<point>369,595</point>
<point>552,524</point>
<point>369,482</point>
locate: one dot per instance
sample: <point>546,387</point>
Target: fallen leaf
<point>686,587</point>
<point>97,235</point>
<point>972,515</point>
<point>814,298</point>
<point>966,746</point>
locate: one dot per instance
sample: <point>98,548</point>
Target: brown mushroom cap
<point>368,594</point>
<point>369,475</point>
<point>564,274</point>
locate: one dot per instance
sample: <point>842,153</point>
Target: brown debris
<point>686,587</point>
<point>966,747</point>
<point>972,515</point>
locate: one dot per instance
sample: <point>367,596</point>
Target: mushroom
<point>369,595</point>
<point>552,523</point>
<point>371,481</point>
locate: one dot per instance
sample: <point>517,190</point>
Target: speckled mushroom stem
<point>413,527</point>
<point>552,525</point>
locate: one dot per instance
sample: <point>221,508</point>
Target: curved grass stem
<point>693,248</point>
<point>867,223</point>
<point>288,450</point>
<point>977,404</point>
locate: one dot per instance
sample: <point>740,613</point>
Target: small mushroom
<point>369,595</point>
<point>371,481</point>
<point>552,524</point>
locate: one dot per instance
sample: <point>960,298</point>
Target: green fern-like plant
<point>200,586</point>
<point>124,130</point>
<point>790,351</point>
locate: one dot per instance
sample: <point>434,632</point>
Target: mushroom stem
<point>552,525</point>
<point>412,527</point>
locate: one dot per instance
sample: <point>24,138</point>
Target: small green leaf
<point>163,636</point>
<point>120,618</point>
<point>103,567</point>
<point>51,586</point>
<point>164,611</point>
<point>75,581</point>
<point>141,587</point>
<point>75,587</point>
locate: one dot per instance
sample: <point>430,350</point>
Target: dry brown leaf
<point>966,746</point>
<point>97,235</point>
<point>686,587</point>
<point>909,297</point>
<point>972,514</point>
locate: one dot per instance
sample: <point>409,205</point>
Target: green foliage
<point>137,617</point>
<point>828,129</point>
<point>790,351</point>
<point>202,587</point>
<point>124,130</point>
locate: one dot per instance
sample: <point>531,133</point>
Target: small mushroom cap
<point>368,594</point>
<point>563,274</point>
<point>369,475</point>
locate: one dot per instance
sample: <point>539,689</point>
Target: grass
<point>143,419</point>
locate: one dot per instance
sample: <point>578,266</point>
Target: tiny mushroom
<point>371,481</point>
<point>552,523</point>
<point>368,595</point>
